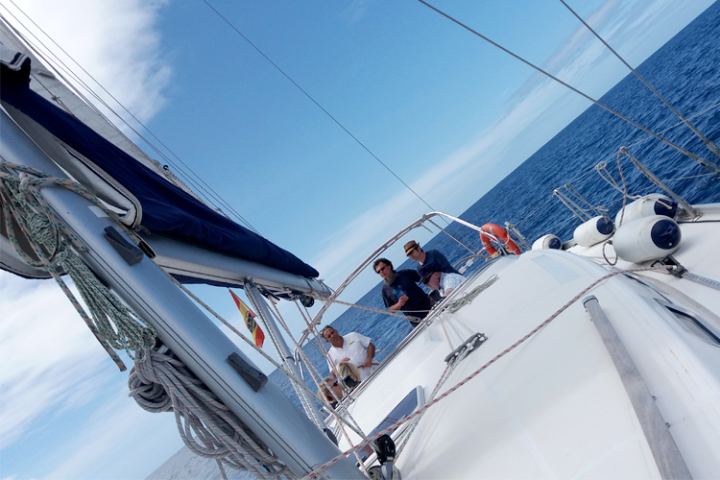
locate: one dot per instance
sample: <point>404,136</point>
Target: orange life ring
<point>501,234</point>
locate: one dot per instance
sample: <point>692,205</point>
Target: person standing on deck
<point>416,253</point>
<point>400,291</point>
<point>352,348</point>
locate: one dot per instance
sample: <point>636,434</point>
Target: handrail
<point>371,258</point>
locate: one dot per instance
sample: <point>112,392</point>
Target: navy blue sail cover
<point>167,209</point>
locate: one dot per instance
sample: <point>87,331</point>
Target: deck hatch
<point>695,325</point>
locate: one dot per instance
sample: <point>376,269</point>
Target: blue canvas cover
<point>167,209</point>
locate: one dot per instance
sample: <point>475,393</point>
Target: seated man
<point>352,348</point>
<point>416,253</point>
<point>401,292</point>
<point>435,279</point>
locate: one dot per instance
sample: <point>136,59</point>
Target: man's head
<point>332,336</point>
<point>414,251</point>
<point>430,275</point>
<point>384,268</point>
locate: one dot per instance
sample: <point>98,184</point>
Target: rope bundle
<point>30,220</point>
<point>162,383</point>
<point>470,296</point>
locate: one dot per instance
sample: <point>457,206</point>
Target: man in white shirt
<point>351,348</point>
<point>435,279</point>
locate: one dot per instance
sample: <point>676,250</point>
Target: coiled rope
<point>28,215</point>
<point>470,296</point>
<point>267,357</point>
<point>162,383</point>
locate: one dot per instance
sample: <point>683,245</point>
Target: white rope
<point>161,383</point>
<point>467,298</point>
<point>55,246</point>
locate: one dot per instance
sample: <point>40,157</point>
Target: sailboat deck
<point>555,406</point>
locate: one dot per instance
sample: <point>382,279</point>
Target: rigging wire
<point>710,145</point>
<point>317,104</point>
<point>210,195</point>
<point>708,165</point>
<point>590,170</point>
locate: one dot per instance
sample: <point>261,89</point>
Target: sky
<point>447,113</point>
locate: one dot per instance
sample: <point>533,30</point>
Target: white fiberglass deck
<point>554,407</point>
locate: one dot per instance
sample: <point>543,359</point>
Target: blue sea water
<point>686,70</point>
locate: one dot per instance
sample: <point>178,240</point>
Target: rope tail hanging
<point>162,383</point>
<point>29,220</point>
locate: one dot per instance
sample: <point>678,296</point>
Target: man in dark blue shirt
<point>400,291</point>
<point>413,250</point>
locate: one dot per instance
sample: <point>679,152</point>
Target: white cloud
<point>53,366</point>
<point>114,41</point>
<point>50,358</point>
<point>119,425</point>
<point>356,11</point>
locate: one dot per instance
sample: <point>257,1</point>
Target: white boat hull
<point>555,406</point>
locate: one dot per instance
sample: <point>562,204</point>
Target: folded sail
<point>165,209</point>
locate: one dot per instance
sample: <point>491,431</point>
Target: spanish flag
<point>249,318</point>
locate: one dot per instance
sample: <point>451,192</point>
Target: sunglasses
<point>381,269</point>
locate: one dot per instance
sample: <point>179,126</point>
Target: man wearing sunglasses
<point>400,291</point>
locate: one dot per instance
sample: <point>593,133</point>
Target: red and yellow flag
<point>250,322</point>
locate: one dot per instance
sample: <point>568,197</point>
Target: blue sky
<point>445,111</point>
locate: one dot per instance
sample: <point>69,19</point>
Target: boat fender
<point>649,238</point>
<point>593,231</point>
<point>548,241</point>
<point>647,206</point>
<point>501,234</point>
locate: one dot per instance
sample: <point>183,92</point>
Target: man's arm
<point>332,362</point>
<point>401,301</point>
<point>370,355</point>
<point>332,370</point>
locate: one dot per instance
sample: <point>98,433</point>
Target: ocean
<point>686,70</point>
